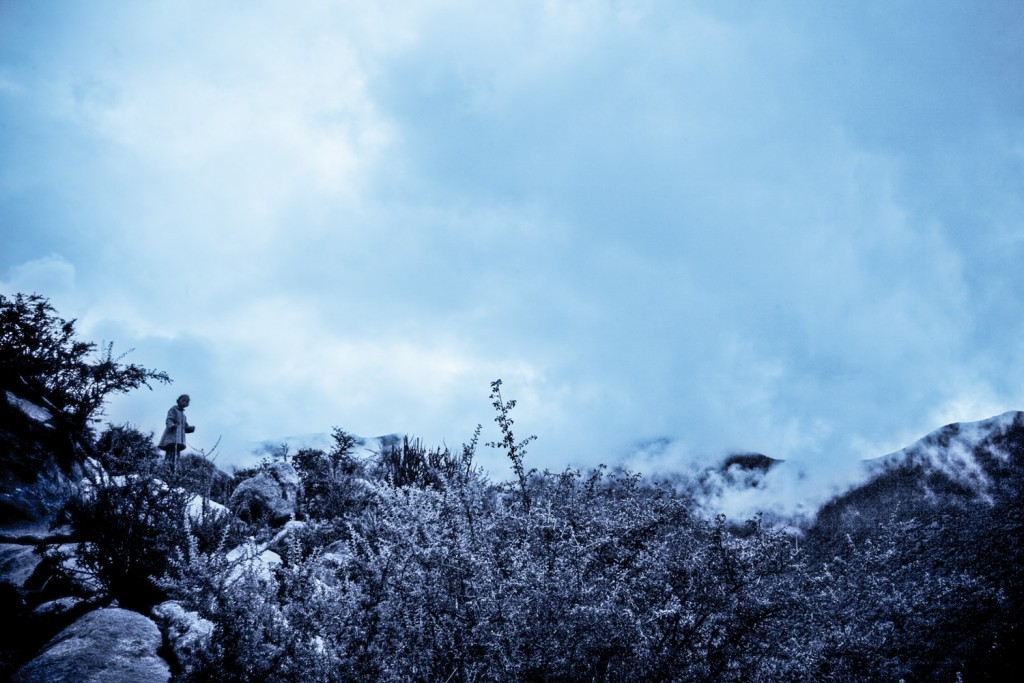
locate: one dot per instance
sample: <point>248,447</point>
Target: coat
<point>176,429</point>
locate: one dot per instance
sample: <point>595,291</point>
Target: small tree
<point>516,450</point>
<point>329,490</point>
<point>42,361</point>
<point>128,526</point>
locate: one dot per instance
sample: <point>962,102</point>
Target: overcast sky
<point>789,227</point>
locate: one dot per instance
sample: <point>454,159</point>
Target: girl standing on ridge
<point>173,440</point>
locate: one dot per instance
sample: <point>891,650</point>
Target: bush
<point>125,450</point>
<point>414,566</point>
<point>200,476</point>
<point>128,527</point>
<point>412,464</point>
<point>331,482</point>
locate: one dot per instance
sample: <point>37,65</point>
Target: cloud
<point>741,231</point>
<point>51,276</point>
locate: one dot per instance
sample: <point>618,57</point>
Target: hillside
<point>962,469</point>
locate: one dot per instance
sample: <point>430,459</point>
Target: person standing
<point>173,439</point>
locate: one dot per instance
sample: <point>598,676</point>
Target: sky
<point>675,230</point>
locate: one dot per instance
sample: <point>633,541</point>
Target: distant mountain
<point>942,518</point>
<point>966,461</point>
<point>749,462</point>
<point>954,499</point>
<point>961,467</point>
<point>970,458</point>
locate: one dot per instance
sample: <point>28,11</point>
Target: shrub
<point>412,464</point>
<point>200,476</point>
<point>125,450</point>
<point>129,526</point>
<point>331,481</point>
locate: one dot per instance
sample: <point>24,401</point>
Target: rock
<point>199,509</point>
<point>260,559</point>
<point>59,574</point>
<point>56,608</point>
<point>253,560</point>
<point>270,495</point>
<point>281,540</point>
<point>37,495</point>
<point>111,645</point>
<point>48,619</point>
<point>30,409</point>
<point>12,606</point>
<point>17,563</point>
<point>187,633</point>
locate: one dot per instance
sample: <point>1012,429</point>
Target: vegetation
<point>41,360</point>
<point>412,565</point>
<point>43,364</point>
<point>604,577</point>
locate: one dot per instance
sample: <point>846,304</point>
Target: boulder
<point>37,495</point>
<point>285,536</point>
<point>59,574</point>
<point>199,509</point>
<point>270,495</point>
<point>39,458</point>
<point>48,619</point>
<point>252,560</point>
<point>112,645</point>
<point>17,563</point>
<point>56,608</point>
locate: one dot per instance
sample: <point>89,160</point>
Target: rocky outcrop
<point>39,458</point>
<point>252,560</point>
<point>37,495</point>
<point>270,495</point>
<point>56,608</point>
<point>112,645</point>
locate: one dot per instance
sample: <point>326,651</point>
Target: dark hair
<point>183,396</point>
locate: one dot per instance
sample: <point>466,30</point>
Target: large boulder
<point>111,645</point>
<point>55,609</point>
<point>36,497</point>
<point>270,495</point>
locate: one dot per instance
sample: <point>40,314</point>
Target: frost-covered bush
<point>403,571</point>
<point>128,527</point>
<point>878,611</point>
<point>602,578</point>
<point>331,481</point>
<point>412,464</point>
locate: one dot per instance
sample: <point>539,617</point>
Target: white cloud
<point>52,276</point>
<point>650,220</point>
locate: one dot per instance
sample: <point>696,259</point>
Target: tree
<point>41,360</point>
